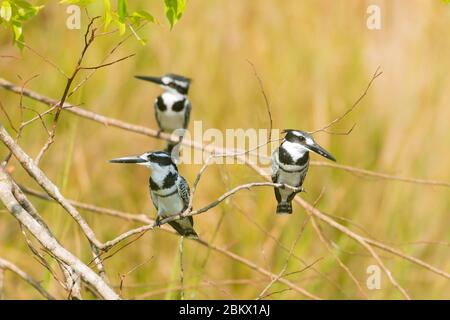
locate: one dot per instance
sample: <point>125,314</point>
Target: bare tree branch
<point>263,296</point>
<point>204,284</point>
<point>52,190</point>
<point>291,252</point>
<point>7,265</point>
<point>48,241</point>
<point>339,260</point>
<point>360,239</point>
<point>181,269</point>
<point>383,176</point>
<point>111,122</point>
<point>89,207</point>
<point>107,245</point>
<point>363,241</point>
<point>108,64</point>
<point>154,133</point>
<point>150,224</point>
<point>59,106</point>
<point>353,106</point>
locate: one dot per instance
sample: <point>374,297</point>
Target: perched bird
<point>290,162</point>
<point>169,191</point>
<point>172,108</point>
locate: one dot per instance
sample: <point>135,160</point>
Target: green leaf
<point>108,16</point>
<point>26,13</point>
<point>6,11</point>
<point>18,34</point>
<point>81,3</point>
<point>174,10</point>
<point>122,10</point>
<point>121,26</point>
<point>142,15</point>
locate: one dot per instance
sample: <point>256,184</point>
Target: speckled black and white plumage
<point>169,191</point>
<point>172,111</point>
<point>289,166</point>
<point>290,163</point>
<point>172,107</point>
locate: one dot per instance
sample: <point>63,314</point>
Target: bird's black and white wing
<point>276,172</point>
<point>185,194</point>
<point>157,115</point>
<point>187,113</point>
<point>183,191</point>
<point>275,166</point>
<point>154,199</point>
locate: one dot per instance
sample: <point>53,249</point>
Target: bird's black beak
<point>156,80</point>
<point>319,150</point>
<point>133,159</point>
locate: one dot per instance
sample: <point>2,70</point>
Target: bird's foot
<point>158,221</point>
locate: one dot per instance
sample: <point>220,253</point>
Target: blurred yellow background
<point>315,58</point>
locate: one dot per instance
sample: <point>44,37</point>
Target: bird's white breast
<point>292,174</point>
<point>171,205</point>
<point>169,119</point>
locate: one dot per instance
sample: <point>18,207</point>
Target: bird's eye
<point>301,138</point>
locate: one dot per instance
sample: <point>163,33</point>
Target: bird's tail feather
<point>184,228</point>
<point>284,208</point>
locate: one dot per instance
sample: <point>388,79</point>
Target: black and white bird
<point>290,162</point>
<point>172,107</point>
<point>169,191</point>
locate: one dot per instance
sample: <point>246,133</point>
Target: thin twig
<point>70,79</point>
<point>295,272</point>
<point>353,106</point>
<point>108,64</point>
<point>291,252</point>
<point>39,176</point>
<point>360,239</point>
<point>7,265</point>
<point>123,276</point>
<point>266,100</point>
<point>154,133</point>
<point>149,225</point>
<point>316,213</point>
<point>47,60</point>
<point>46,239</point>
<point>111,122</point>
<point>181,269</point>
<point>338,259</point>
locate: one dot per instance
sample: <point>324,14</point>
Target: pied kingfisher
<point>290,162</point>
<point>172,108</point>
<point>169,191</point>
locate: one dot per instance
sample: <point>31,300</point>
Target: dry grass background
<point>315,59</point>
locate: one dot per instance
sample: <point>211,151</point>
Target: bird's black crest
<point>293,135</point>
<point>178,77</point>
<point>160,157</point>
<point>182,88</point>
